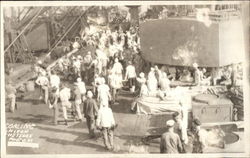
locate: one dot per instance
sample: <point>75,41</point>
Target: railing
<point>224,15</point>
<point>214,16</point>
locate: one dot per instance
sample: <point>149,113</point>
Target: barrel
<point>30,86</point>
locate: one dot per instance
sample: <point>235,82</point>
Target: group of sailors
<point>106,46</point>
<point>97,111</point>
<point>228,75</point>
<point>78,102</point>
<point>96,94</point>
<point>176,138</point>
<point>156,83</point>
<point>110,71</point>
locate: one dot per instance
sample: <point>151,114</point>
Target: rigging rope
<point>24,29</point>
<point>67,32</point>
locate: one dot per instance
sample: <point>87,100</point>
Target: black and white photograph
<point>132,78</point>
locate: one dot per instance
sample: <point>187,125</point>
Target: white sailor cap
<point>170,123</point>
<point>78,79</point>
<point>142,75</point>
<point>39,62</point>
<point>195,65</point>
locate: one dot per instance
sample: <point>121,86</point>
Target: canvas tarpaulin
<point>182,42</point>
